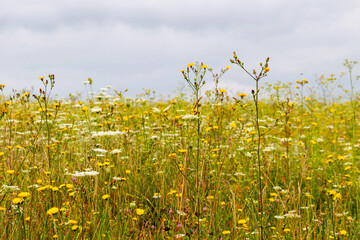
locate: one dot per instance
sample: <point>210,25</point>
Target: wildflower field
<point>280,162</point>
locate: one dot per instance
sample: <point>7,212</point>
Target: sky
<point>145,43</point>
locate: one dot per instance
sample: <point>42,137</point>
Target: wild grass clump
<point>279,162</point>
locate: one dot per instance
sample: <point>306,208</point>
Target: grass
<point>282,165</point>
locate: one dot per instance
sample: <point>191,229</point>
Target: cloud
<point>144,44</point>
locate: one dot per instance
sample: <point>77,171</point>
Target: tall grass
<point>281,166</point>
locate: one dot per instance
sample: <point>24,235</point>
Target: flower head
<point>52,211</point>
<point>17,200</point>
<point>140,211</point>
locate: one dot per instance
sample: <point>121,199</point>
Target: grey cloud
<point>140,44</point>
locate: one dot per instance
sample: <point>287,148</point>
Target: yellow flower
<point>337,196</point>
<point>266,69</point>
<point>226,232</point>
<point>242,221</point>
<point>233,124</point>
<point>105,197</point>
<point>286,230</point>
<point>85,108</point>
<point>204,66</point>
<point>17,200</point>
<point>242,95</point>
<point>190,64</point>
<point>222,91</point>
<point>227,67</point>
<point>10,171</point>
<point>52,211</point>
<point>74,227</point>
<point>24,194</point>
<point>127,171</point>
<point>140,211</point>
<point>72,221</point>
<point>182,150</point>
<point>343,232</point>
<point>183,70</point>
<point>41,78</point>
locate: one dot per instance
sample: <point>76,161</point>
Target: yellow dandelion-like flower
<point>140,211</point>
<point>337,196</point>
<point>52,211</point>
<point>226,232</point>
<point>24,194</point>
<point>190,64</point>
<point>74,227</point>
<point>105,197</point>
<point>266,69</point>
<point>17,200</point>
<point>73,222</point>
<point>242,221</point>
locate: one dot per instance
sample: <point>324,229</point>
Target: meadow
<point>280,162</point>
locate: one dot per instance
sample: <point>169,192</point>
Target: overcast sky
<point>144,44</point>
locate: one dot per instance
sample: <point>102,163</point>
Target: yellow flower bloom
<point>226,232</point>
<point>140,211</point>
<point>24,194</point>
<point>266,69</point>
<point>343,232</point>
<point>10,171</point>
<point>72,221</point>
<point>74,227</point>
<point>242,221</point>
<point>17,200</point>
<point>105,197</point>
<point>190,64</point>
<point>52,211</point>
